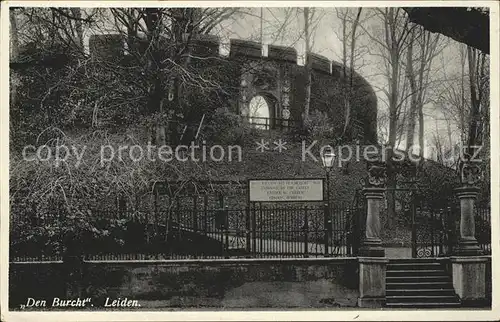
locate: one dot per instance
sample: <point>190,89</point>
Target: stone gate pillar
<point>372,244</point>
<point>372,261</point>
<point>467,243</point>
<point>468,266</point>
<point>373,190</point>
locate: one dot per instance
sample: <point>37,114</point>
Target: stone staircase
<point>419,283</point>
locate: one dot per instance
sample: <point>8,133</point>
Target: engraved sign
<point>286,190</point>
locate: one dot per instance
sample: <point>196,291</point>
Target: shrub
<point>50,200</point>
<point>225,127</point>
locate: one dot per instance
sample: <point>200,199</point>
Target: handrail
<point>272,123</point>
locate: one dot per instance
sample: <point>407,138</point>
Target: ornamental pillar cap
<point>373,192</point>
<point>467,192</point>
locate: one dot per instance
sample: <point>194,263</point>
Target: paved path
<point>277,245</point>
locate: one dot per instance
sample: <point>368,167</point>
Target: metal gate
<point>433,227</point>
<point>301,230</point>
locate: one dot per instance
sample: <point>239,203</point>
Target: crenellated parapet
<point>319,63</point>
<point>204,45</point>
<point>282,53</point>
<point>276,76</point>
<point>209,45</point>
<point>246,49</point>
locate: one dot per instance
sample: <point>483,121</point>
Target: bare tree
<point>14,38</point>
<point>428,47</point>
<point>311,18</point>
<point>463,96</point>
<point>308,66</point>
<point>391,42</point>
<point>14,51</point>
<point>159,40</point>
<point>451,95</point>
<point>77,14</point>
<point>479,84</point>
<point>351,54</point>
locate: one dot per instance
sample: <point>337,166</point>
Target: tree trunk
<point>14,52</point>
<point>426,52</point>
<point>14,44</point>
<point>345,96</point>
<point>410,131</point>
<point>348,87</point>
<point>391,175</point>
<point>353,48</point>
<point>393,119</point>
<point>153,20</point>
<point>76,12</point>
<point>448,129</point>
<point>475,101</point>
<point>421,129</point>
<point>307,69</point>
<point>463,130</point>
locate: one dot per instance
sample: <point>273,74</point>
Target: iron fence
<point>255,231</point>
<point>436,230</point>
<point>267,123</point>
<point>482,216</point>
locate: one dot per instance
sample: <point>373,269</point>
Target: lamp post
<point>328,158</point>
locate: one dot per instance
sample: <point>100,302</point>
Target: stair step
<point>422,305</point>
<point>422,285</point>
<point>413,266</point>
<point>419,277</point>
<point>421,298</point>
<point>419,283</point>
<point>434,272</point>
<point>415,279</point>
<point>403,292</point>
<point>415,260</point>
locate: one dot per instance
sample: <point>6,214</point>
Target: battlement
<point>337,69</point>
<point>206,38</point>
<point>204,45</point>
<point>288,54</point>
<point>112,45</point>
<point>320,63</point>
<point>245,48</point>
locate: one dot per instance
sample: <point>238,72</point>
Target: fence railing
<point>483,227</point>
<point>436,228</point>
<point>257,231</point>
<point>440,230</point>
<point>266,123</point>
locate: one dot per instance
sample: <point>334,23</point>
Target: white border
<point>303,315</point>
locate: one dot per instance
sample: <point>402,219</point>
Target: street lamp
<point>328,159</point>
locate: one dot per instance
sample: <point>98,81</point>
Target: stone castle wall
<point>277,77</point>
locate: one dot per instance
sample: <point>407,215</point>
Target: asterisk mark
<point>262,145</point>
<point>280,145</point>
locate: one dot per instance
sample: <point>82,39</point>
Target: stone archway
<point>262,111</point>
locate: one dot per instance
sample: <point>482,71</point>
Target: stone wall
<point>229,283</point>
<point>246,62</point>
<point>489,280</point>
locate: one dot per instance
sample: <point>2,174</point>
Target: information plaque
<point>275,190</point>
